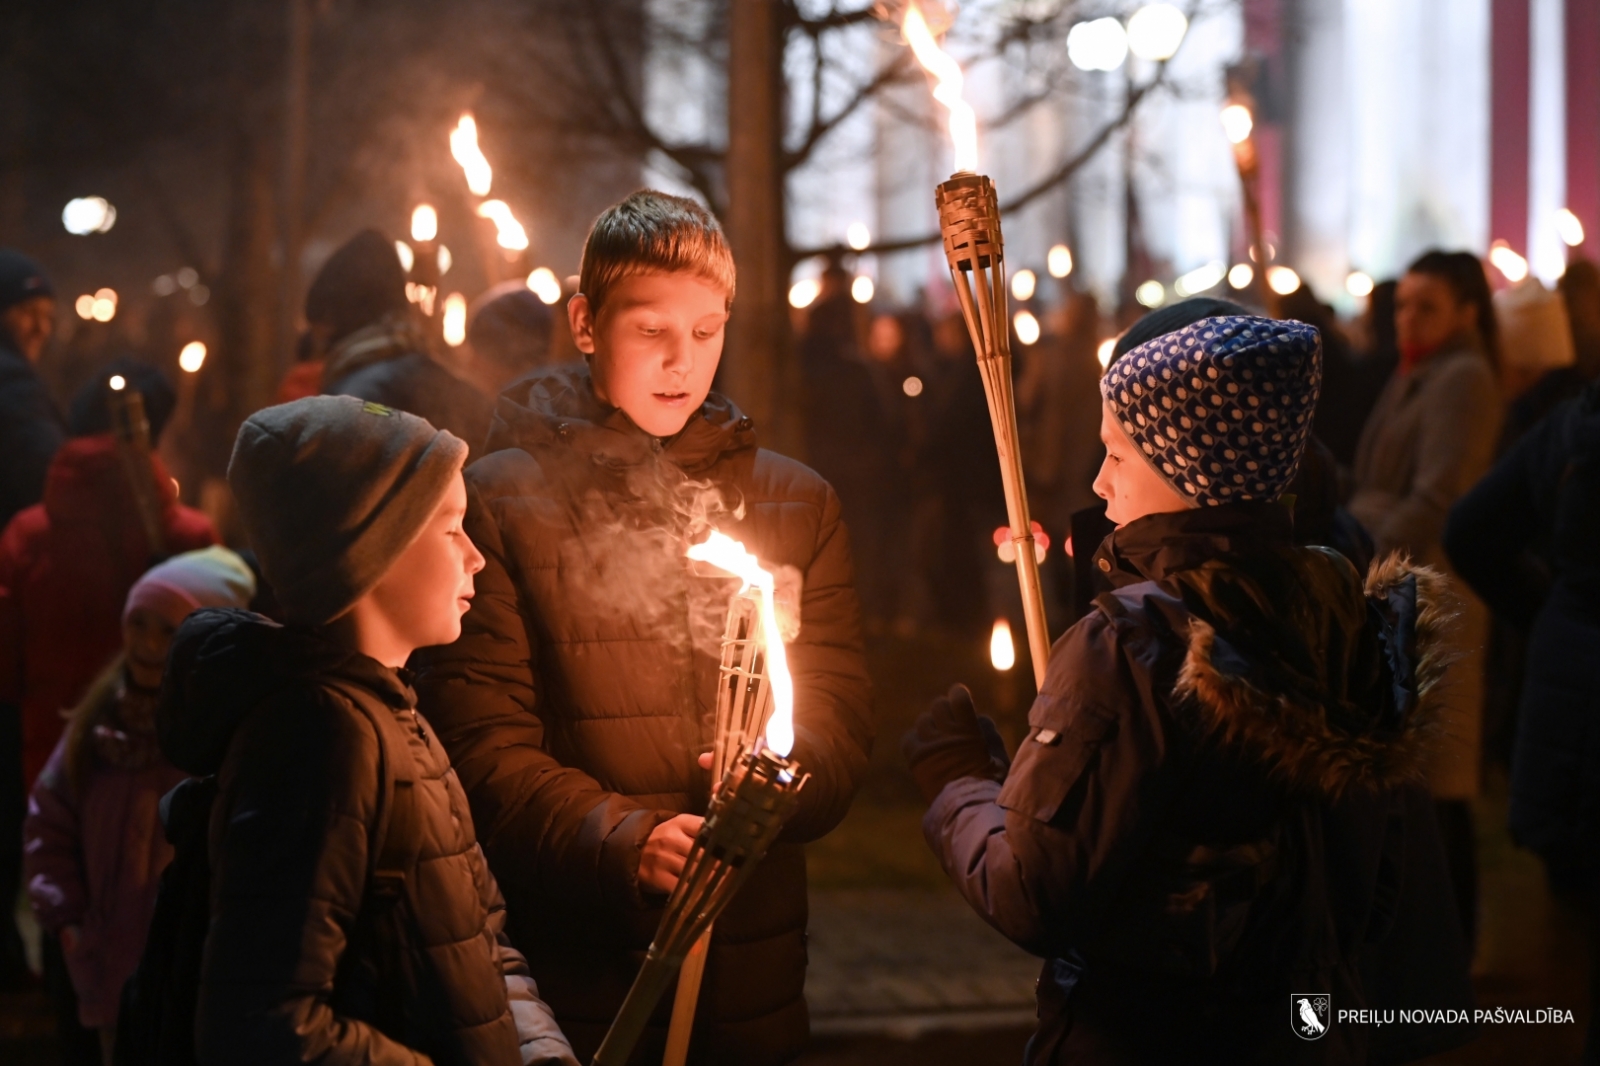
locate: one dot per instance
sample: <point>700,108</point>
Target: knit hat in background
<point>175,589</point>
<point>1173,316</point>
<point>1221,408</point>
<point>21,279</point>
<point>1534,331</point>
<point>332,490</point>
<point>510,326</point>
<point>90,411</point>
<point>360,283</point>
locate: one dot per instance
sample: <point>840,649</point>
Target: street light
<point>1237,123</point>
<point>1358,284</point>
<point>1099,44</point>
<point>1156,30</point>
<point>88,214</point>
<point>1059,261</point>
<point>1023,284</point>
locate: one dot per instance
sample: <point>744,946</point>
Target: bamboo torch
<point>969,221</point>
<point>758,791</point>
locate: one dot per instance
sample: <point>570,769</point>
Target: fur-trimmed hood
<point>1331,680</point>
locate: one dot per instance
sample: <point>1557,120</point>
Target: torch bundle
<point>758,790</point>
<point>969,222</point>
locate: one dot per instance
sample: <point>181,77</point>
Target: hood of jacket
<point>390,337</point>
<point>1290,655</point>
<point>87,472</point>
<point>225,662</point>
<point>556,411</point>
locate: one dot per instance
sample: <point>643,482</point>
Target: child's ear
<point>581,318</point>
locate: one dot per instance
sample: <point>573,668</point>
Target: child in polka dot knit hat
<point>1221,409</point>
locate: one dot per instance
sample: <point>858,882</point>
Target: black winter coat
<point>1211,812</point>
<point>31,430</point>
<point>387,363</point>
<point>293,970</point>
<point>583,688</point>
<point>1525,538</point>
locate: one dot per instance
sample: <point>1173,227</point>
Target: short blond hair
<point>653,232</point>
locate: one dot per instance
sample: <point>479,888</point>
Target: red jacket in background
<point>66,566</point>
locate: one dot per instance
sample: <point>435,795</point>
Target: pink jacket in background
<point>94,860</point>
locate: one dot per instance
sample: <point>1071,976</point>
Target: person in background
<point>1432,435</point>
<point>1060,419</point>
<point>31,430</point>
<point>1579,290</point>
<point>373,347</point>
<point>1536,353</point>
<point>1524,538</point>
<point>66,564</point>
<point>93,843</point>
<point>508,334</point>
<point>848,439</point>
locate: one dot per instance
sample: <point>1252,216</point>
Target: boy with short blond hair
<point>582,691</point>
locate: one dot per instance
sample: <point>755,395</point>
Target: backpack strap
<point>397,836</point>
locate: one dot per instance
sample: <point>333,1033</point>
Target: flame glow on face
<point>464,147</point>
<point>725,553</point>
<point>963,120</point>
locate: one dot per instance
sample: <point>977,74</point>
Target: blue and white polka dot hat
<point>1221,408</point>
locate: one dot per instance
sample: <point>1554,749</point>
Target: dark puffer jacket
<point>1524,538</point>
<point>1211,808</point>
<point>292,969</point>
<point>31,429</point>
<point>583,687</point>
<point>388,363</point>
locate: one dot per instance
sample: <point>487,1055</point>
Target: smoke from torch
<point>944,68</point>
<point>725,553</point>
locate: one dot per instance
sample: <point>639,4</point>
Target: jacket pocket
<point>1059,746</point>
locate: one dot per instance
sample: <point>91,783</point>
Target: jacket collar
<point>557,409</point>
<point>1157,546</point>
<point>391,336</point>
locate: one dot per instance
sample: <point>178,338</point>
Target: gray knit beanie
<point>332,490</point>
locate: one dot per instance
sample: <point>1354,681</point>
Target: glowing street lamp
<point>1099,44</point>
<point>1059,261</point>
<point>1155,31</point>
<point>88,214</point>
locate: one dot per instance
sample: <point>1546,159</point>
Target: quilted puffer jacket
<point>584,683</point>
<point>297,967</point>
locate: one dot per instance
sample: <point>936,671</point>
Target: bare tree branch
<point>1039,188</point>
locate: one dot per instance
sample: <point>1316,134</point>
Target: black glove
<point>950,740</point>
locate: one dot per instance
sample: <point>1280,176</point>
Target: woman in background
<point>1429,439</point>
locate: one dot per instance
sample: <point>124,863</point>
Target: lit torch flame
<point>963,120</point>
<point>464,146</point>
<point>510,234</point>
<point>725,553</point>
<point>1002,651</point>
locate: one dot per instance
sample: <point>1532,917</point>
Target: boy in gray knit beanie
<point>338,828</point>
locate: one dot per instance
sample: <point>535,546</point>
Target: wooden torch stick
<point>744,701</point>
<point>969,220</point>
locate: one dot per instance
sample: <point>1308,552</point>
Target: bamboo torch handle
<point>685,1001</point>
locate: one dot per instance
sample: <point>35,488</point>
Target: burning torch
<point>758,791</point>
<point>969,220</point>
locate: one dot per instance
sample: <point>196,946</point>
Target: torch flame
<point>1002,651</point>
<point>464,146</point>
<point>510,234</point>
<point>963,120</point>
<point>725,553</point>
